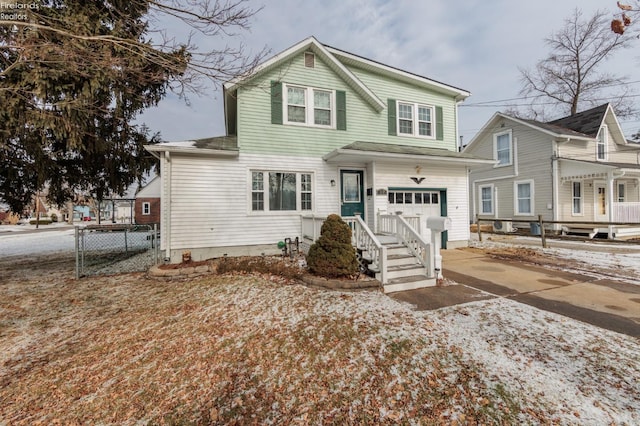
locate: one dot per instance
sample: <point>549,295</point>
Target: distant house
<point>578,168</point>
<point>314,131</point>
<point>147,203</point>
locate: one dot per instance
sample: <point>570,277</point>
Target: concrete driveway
<point>604,303</point>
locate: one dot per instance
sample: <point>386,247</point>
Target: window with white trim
<point>281,191</point>
<point>601,144</point>
<point>622,192</point>
<point>146,208</point>
<point>523,197</point>
<point>415,120</point>
<point>576,197</point>
<point>503,148</point>
<point>486,199</point>
<point>309,106</point>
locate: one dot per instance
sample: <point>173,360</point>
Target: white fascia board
<point>412,157</point>
<point>460,93</point>
<point>332,61</point>
<point>190,150</point>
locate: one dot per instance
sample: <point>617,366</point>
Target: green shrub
<point>333,256</point>
<point>54,217</point>
<point>42,221</point>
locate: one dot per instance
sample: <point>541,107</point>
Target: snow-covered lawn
<point>241,349</point>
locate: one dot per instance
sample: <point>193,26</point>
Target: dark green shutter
<point>276,102</point>
<point>341,110</point>
<point>439,124</point>
<point>391,109</point>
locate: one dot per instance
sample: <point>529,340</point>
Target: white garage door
<point>424,203</point>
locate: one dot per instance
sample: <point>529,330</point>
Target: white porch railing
<point>361,237</point>
<point>365,240</point>
<point>626,212</point>
<point>399,226</point>
<point>387,223</point>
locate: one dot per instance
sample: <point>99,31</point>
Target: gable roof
<point>336,60</point>
<point>584,125</point>
<point>313,45</point>
<point>587,122</point>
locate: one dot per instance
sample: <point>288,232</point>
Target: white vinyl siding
<point>453,179</point>
<point>211,208</point>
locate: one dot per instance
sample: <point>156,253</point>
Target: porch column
<point>610,199</point>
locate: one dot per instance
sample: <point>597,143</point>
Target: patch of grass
<point>260,265</point>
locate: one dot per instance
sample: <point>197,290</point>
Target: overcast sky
<point>476,45</point>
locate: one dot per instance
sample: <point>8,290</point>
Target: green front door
<point>351,193</point>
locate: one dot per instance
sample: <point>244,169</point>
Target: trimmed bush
<point>54,217</point>
<point>42,221</point>
<point>333,256</point>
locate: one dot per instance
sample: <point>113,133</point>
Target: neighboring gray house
<point>575,169</point>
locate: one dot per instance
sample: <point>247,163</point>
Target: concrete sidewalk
<point>604,303</point>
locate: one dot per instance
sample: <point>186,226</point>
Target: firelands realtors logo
<point>16,11</point>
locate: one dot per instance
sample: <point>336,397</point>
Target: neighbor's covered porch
<point>602,193</point>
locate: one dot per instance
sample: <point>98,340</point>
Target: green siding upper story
<point>259,106</point>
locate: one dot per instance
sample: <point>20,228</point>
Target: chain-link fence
<point>114,249</point>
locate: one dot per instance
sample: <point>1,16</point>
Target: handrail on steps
<point>399,226</point>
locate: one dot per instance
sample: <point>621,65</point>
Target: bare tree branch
<point>569,76</point>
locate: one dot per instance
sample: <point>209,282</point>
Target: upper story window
<point>601,145</point>
<point>415,120</point>
<point>503,148</point>
<point>146,208</point>
<point>309,106</point>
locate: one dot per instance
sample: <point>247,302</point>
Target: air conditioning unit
<point>503,226</point>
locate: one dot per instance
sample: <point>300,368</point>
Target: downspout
<point>610,202</point>
<point>555,186</point>
<point>166,227</point>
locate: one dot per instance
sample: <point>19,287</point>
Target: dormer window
<point>601,145</point>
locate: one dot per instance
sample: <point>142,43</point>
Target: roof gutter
<point>386,155</point>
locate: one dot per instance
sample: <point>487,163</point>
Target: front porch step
<point>401,259</point>
<point>401,271</point>
<point>409,283</point>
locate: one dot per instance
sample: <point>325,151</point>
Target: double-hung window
<point>621,192</point>
<point>503,148</point>
<point>576,196</point>
<point>309,106</point>
<point>415,120</point>
<point>486,199</point>
<point>146,208</point>
<point>523,198</point>
<point>601,144</point>
<point>281,191</point>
